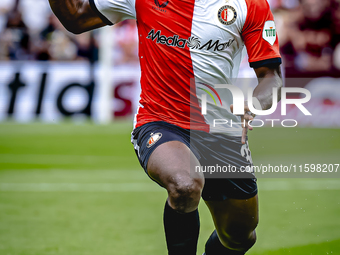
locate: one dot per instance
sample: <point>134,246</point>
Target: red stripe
<point>167,71</point>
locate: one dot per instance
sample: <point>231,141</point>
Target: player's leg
<point>235,221</point>
<point>170,165</point>
<point>231,197</point>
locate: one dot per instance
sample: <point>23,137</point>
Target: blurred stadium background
<point>69,180</point>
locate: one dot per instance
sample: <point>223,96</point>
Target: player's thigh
<point>235,219</point>
<point>172,165</point>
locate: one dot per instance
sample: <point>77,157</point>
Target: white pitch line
<point>79,187</point>
<point>299,184</point>
<point>57,158</point>
<point>152,187</point>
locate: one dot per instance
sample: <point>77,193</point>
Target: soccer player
<point>186,47</point>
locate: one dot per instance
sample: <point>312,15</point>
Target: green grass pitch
<point>78,189</point>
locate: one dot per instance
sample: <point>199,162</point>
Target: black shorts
<point>148,137</point>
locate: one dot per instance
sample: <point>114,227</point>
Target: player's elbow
<point>76,31</point>
<point>278,77</point>
<point>279,81</point>
<point>71,23</point>
<point>74,27</point>
<point>279,86</point>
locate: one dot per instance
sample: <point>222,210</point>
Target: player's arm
<point>269,78</point>
<point>260,38</point>
<point>77,16</point>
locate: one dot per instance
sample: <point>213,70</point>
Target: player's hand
<point>248,116</point>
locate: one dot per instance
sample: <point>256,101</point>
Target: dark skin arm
<point>76,15</point>
<point>269,78</point>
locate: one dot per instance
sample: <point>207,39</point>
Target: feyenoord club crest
<point>153,139</point>
<point>227,15</point>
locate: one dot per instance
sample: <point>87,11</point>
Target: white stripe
<point>299,184</point>
<point>79,187</point>
<point>56,159</point>
<point>266,185</point>
<point>216,66</point>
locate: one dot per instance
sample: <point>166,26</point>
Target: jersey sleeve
<point>259,35</point>
<point>114,11</point>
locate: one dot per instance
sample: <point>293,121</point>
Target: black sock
<point>214,247</point>
<point>181,231</point>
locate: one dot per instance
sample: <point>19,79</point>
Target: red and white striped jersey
<point>188,46</point>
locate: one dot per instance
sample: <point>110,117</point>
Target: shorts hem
<point>240,196</point>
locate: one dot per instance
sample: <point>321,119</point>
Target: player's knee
<point>185,193</point>
<point>239,240</point>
